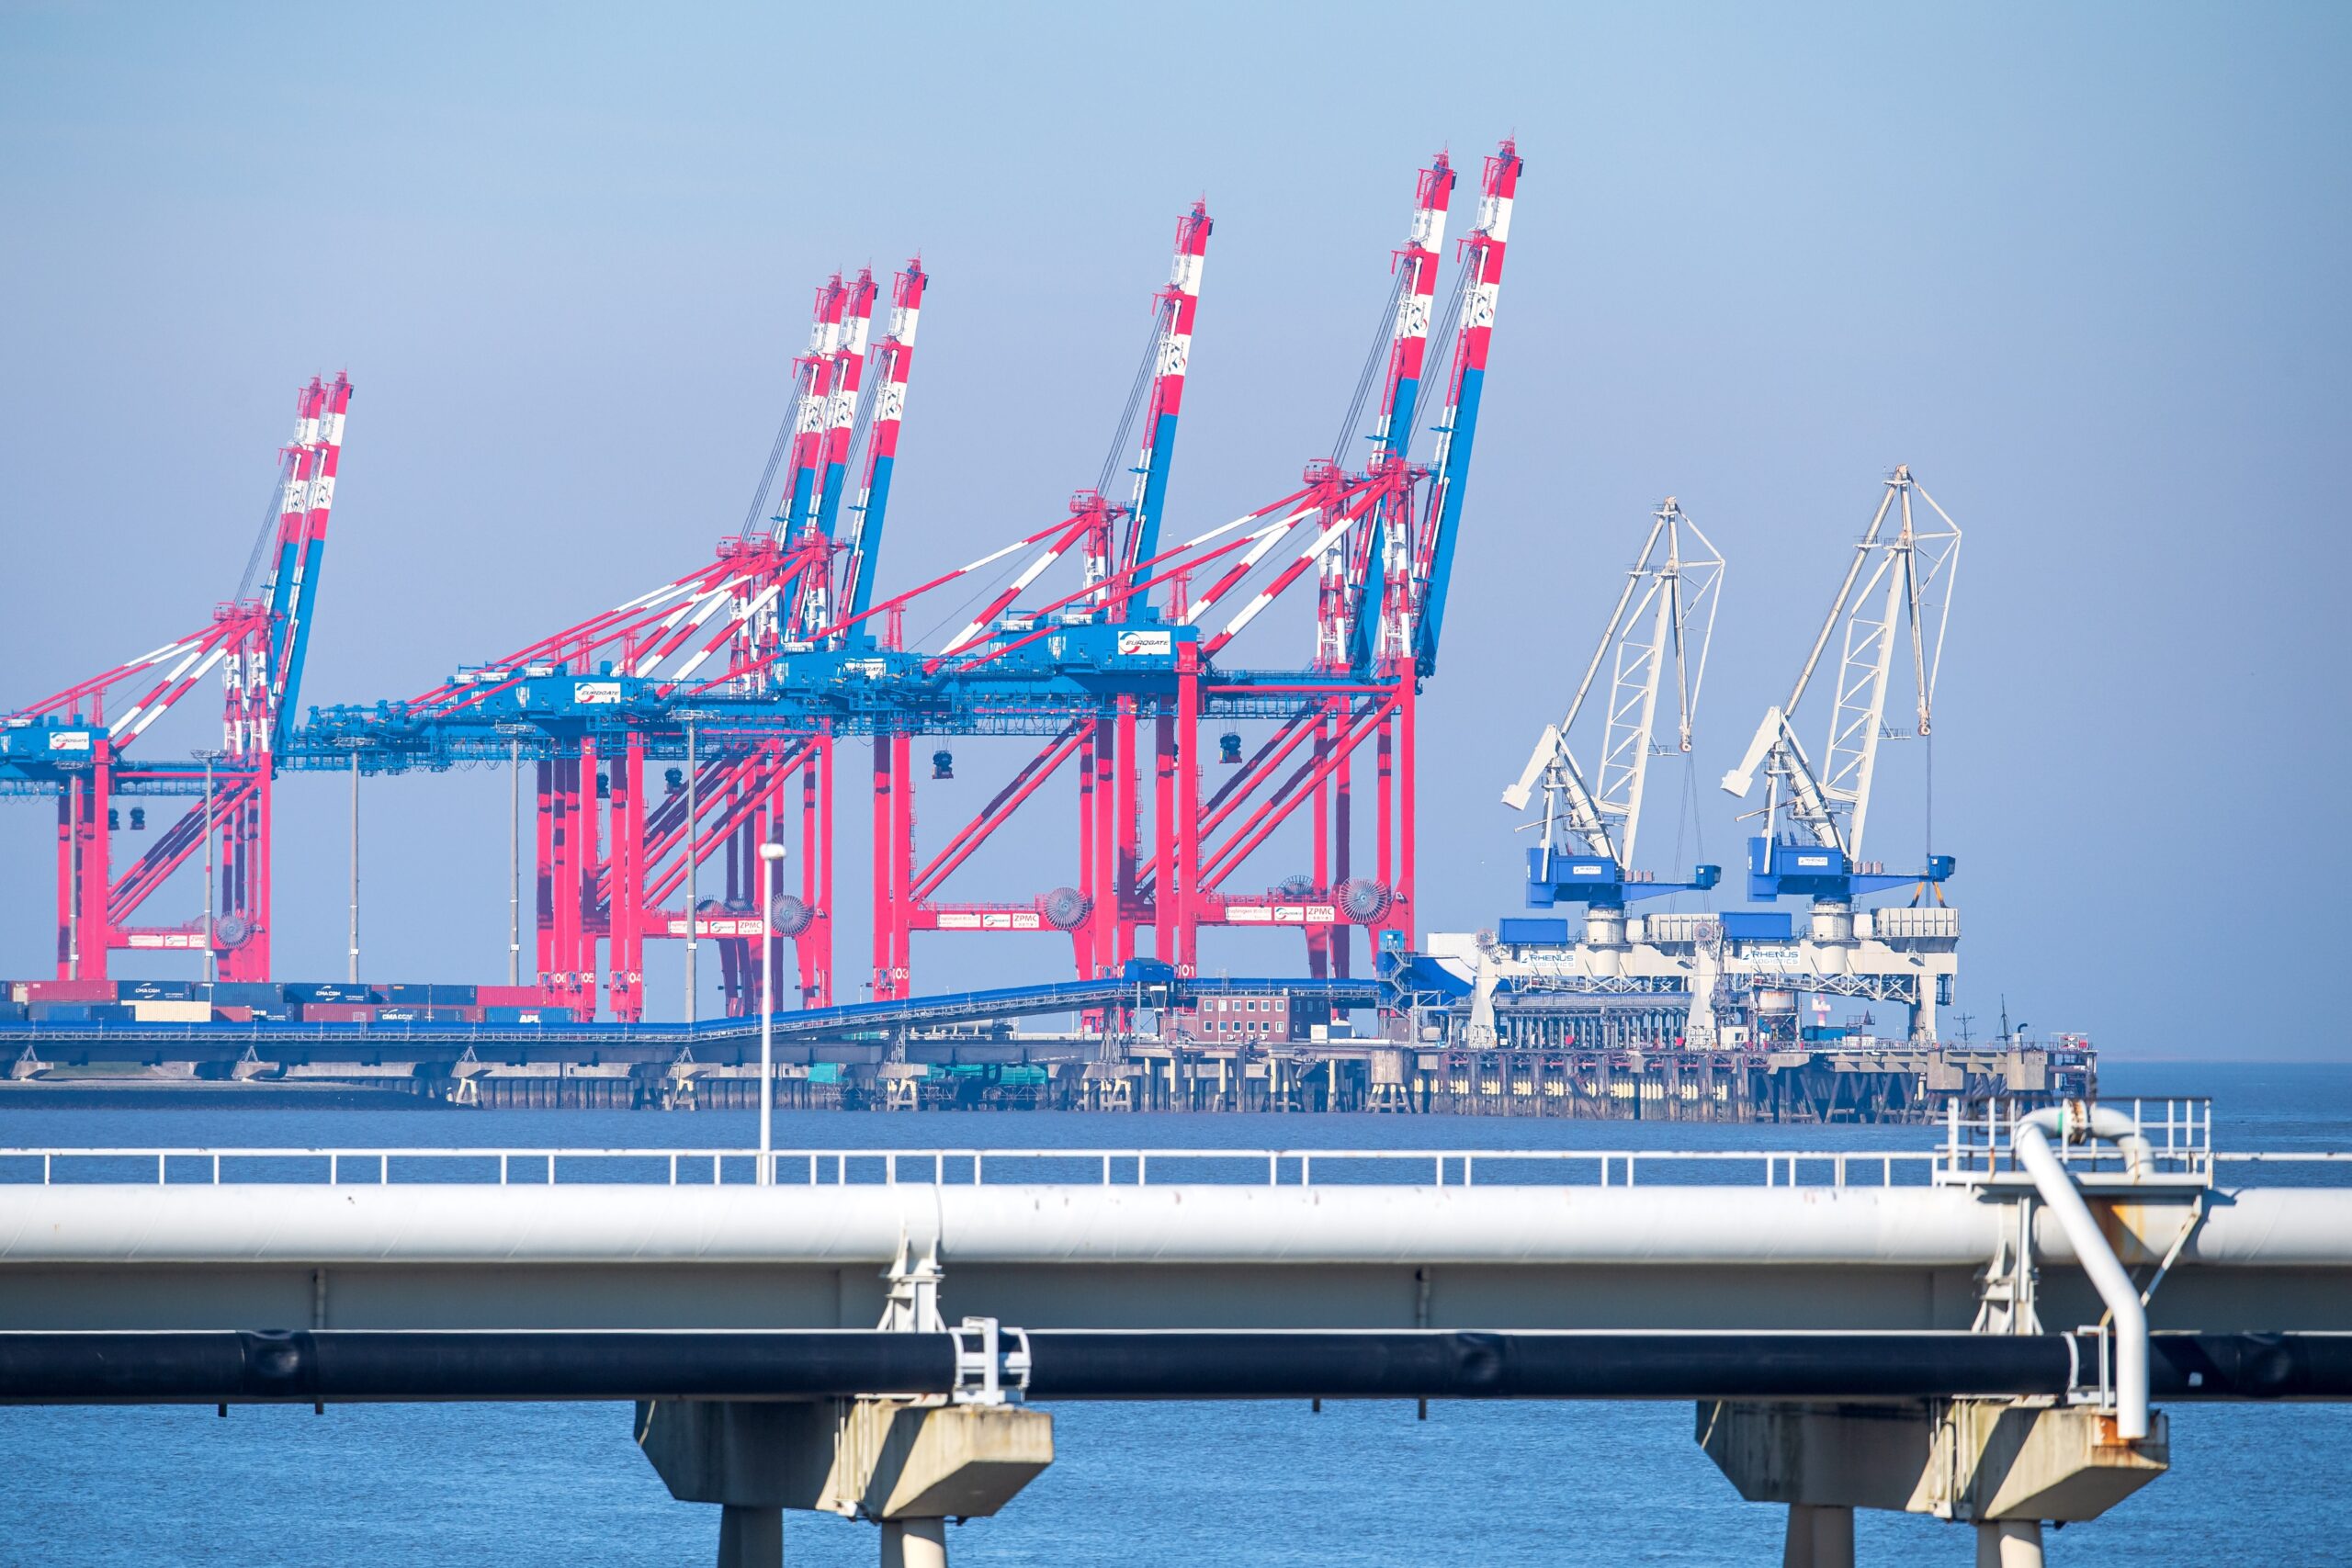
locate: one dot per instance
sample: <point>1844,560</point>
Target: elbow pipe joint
<point>2059,1194</point>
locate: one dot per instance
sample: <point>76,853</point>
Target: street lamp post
<point>354,975</point>
<point>514,860</point>
<point>771,857</point>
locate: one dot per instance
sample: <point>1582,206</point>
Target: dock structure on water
<point>835,1330</point>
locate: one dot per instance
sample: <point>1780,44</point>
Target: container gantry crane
<point>1372,556</point>
<point>67,746</point>
<point>745,673</point>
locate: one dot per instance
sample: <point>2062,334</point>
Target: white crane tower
<point>1897,591</point>
<point>1660,629</point>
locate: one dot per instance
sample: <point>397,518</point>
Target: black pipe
<point>213,1367</point>
<point>242,1367</point>
<point>1462,1365</point>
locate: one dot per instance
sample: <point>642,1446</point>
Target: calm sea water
<point>1136,1486</point>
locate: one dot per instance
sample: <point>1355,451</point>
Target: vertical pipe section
<point>2064,1200</point>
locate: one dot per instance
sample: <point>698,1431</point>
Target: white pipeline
<point>2064,1200</point>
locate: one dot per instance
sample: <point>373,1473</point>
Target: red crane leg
<point>1163,836</point>
<point>1401,918</point>
<point>1105,919</point>
<point>902,865</point>
<point>1342,832</point>
<point>625,885</point>
<point>1089,886</point>
<point>1318,938</point>
<point>1183,886</point>
<point>69,819</point>
<point>543,847</point>
<point>884,892</point>
<point>245,869</point>
<point>813,948</point>
<point>563,883</point>
<point>97,872</point>
<point>584,862</point>
<point>1125,907</point>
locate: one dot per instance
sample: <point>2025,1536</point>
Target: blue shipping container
<point>157,991</point>
<point>1757,925</point>
<point>331,991</point>
<point>526,1015</point>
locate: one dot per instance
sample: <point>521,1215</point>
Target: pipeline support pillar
<point>749,1536</point>
<point>2002,1465</point>
<point>1821,1535</point>
<point>909,1465</point>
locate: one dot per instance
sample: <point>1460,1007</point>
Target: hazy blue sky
<point>2081,266</point>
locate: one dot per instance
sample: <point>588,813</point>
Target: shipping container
<point>506,996</point>
<point>308,991</point>
<point>100,989</point>
<point>12,1012</point>
<point>231,1013</point>
<point>155,990</point>
<point>456,995</point>
<point>416,995</point>
<point>171,1011</point>
<point>339,1012</point>
<point>61,1012</point>
<point>244,993</point>
<point>526,1015</point>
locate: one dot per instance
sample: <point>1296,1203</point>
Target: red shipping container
<point>339,1012</point>
<point>95,989</point>
<point>508,997</point>
<point>232,1015</point>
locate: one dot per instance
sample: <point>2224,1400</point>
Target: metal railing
<point>2176,1136</point>
<point>1090,1168</point>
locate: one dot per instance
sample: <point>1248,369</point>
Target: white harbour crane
<point>1896,594</point>
<point>1739,973</point>
<point>1657,634</point>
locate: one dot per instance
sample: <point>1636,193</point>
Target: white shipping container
<point>171,1012</point>
<point>1930,922</point>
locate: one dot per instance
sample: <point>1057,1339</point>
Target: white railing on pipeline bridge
<point>1092,1168</point>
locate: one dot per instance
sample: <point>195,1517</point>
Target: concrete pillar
<point>751,1538</point>
<point>922,1543</point>
<point>2008,1543</point>
<point>1820,1534</point>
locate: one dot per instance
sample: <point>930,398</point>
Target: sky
<point>2080,266</point>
